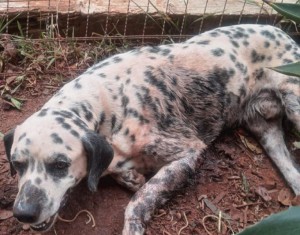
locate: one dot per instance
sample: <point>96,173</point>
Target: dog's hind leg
<point>292,105</point>
<point>171,177</point>
<point>263,117</point>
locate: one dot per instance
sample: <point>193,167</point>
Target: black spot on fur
<point>295,81</point>
<point>214,34</point>
<point>240,29</point>
<point>240,66</point>
<point>60,120</point>
<point>133,112</point>
<point>87,114</point>
<point>288,47</point>
<point>256,58</point>
<point>66,126</point>
<point>217,52</point>
<point>125,101</point>
<point>171,58</point>
<point>121,89</point>
<point>127,81</point>
<point>128,71</point>
<point>239,34</point>
<point>259,73</point>
<point>159,84</point>
<point>232,57</point>
<point>117,78</point>
<point>38,181</point>
<point>203,42</point>
<point>22,136</point>
<point>266,44</point>
<point>268,34</point>
<point>102,75</point>
<point>117,129</point>
<point>76,111</point>
<point>154,49</point>
<point>68,148</point>
<point>102,118</point>
<point>297,55</point>
<point>74,133</point>
<point>101,65</point>
<point>79,123</point>
<point>243,91</point>
<point>77,85</point>
<point>235,43</point>
<point>187,108</point>
<point>252,31</point>
<point>166,52</point>
<point>117,59</point>
<point>63,113</point>
<point>56,139</point>
<point>132,138</point>
<point>245,43</point>
<point>28,141</point>
<point>126,132</point>
<point>43,113</point>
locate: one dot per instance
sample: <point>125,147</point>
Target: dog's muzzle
<point>31,203</point>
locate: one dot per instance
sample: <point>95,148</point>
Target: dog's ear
<point>8,141</point>
<point>99,154</point>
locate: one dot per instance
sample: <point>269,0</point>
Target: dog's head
<point>51,152</point>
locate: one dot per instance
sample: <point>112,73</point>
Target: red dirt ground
<point>241,183</point>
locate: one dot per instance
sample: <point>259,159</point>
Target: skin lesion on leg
<point>130,179</point>
<point>158,190</point>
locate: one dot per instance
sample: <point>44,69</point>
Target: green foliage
<point>4,23</point>
<point>289,10</point>
<point>283,223</point>
<point>289,69</point>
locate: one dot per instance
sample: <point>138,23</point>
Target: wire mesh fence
<point>142,19</point>
<point>61,38</point>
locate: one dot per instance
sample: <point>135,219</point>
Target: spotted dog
<point>155,109</point>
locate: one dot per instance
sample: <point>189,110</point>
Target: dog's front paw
<point>133,227</point>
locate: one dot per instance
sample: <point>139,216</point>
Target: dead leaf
<point>250,144</point>
<point>285,197</point>
<point>215,209</point>
<point>263,192</point>
<point>10,79</point>
<point>5,214</point>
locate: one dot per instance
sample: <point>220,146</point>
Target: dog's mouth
<point>48,224</point>
<point>44,226</point>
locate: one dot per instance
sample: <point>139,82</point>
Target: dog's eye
<point>60,165</point>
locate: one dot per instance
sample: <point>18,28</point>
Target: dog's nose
<point>27,213</point>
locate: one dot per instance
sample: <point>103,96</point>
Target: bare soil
<point>236,178</point>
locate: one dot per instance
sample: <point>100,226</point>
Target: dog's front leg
<point>157,191</point>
